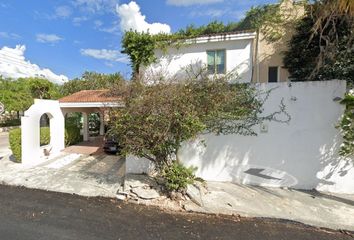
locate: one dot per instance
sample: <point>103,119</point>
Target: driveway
<point>36,215</point>
<point>99,175</point>
<point>4,144</point>
<point>309,207</point>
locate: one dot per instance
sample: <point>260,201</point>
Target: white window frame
<point>225,63</point>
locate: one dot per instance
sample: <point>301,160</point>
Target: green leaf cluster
<point>91,81</point>
<point>18,95</point>
<point>347,126</point>
<point>177,177</point>
<point>158,118</point>
<point>306,51</point>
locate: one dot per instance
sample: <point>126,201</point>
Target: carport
<point>85,102</point>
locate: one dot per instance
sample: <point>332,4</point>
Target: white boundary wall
<point>302,154</point>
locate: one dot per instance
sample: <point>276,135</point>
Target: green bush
<point>44,136</point>
<point>11,123</point>
<point>15,143</point>
<point>72,136</point>
<point>177,177</point>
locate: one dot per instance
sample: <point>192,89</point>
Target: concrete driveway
<point>334,211</point>
<point>99,175</point>
<point>4,144</point>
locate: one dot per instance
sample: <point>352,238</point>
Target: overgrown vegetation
<point>329,16</point>
<point>347,126</point>
<point>91,81</point>
<point>305,59</point>
<point>158,118</point>
<point>154,126</point>
<point>176,176</point>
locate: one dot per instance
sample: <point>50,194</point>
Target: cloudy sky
<point>60,39</point>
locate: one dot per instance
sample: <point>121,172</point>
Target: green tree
<point>347,126</point>
<point>91,81</point>
<point>42,88</point>
<point>140,49</point>
<point>327,15</point>
<point>18,94</point>
<point>302,58</point>
<point>158,118</point>
<point>14,94</point>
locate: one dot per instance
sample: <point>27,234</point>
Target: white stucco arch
<point>30,137</point>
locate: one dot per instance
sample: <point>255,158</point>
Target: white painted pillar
<point>85,126</point>
<point>101,123</point>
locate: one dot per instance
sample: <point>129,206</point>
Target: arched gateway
<point>30,128</point>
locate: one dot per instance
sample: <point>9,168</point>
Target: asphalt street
<point>35,214</point>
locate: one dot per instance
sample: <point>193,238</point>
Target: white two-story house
<point>247,54</point>
<point>218,53</point>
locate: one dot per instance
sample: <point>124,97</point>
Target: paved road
<point>34,214</point>
<point>4,143</point>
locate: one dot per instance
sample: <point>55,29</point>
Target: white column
<point>101,123</point>
<point>85,126</point>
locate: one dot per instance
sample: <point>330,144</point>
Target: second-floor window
<point>216,61</point>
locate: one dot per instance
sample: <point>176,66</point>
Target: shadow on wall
<point>173,63</point>
<point>193,70</point>
<point>159,71</point>
<point>336,173</point>
<point>302,154</point>
<point>228,161</point>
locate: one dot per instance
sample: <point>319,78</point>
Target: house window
<point>216,61</point>
<point>273,74</point>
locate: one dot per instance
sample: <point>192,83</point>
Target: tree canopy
<point>307,59</point>
<point>91,81</point>
<point>153,126</point>
<point>18,95</point>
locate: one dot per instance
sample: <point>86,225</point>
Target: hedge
<point>15,143</point>
<point>72,136</point>
<point>10,123</point>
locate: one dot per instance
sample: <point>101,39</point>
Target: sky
<point>60,39</point>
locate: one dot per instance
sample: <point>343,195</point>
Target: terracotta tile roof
<point>90,96</point>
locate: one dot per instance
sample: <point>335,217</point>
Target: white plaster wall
<point>302,154</point>
<point>30,137</point>
<point>173,62</point>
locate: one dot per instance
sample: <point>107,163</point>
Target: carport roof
<point>91,98</point>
